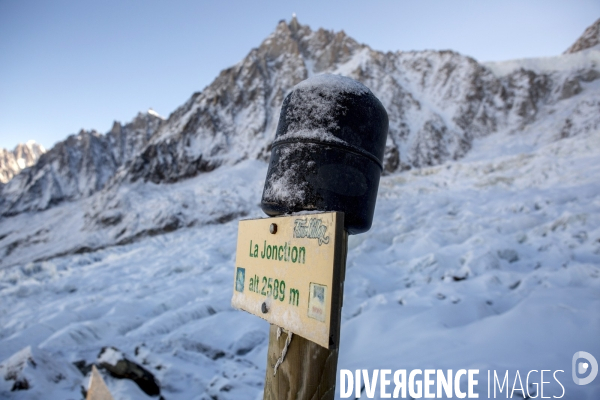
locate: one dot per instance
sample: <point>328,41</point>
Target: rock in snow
<point>120,367</point>
<point>37,373</point>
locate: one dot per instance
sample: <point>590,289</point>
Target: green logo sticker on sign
<point>240,279</point>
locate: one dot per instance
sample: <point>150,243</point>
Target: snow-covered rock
<point>36,373</point>
<point>76,167</point>
<point>589,40</point>
<point>120,367</point>
<point>24,155</point>
<point>437,101</point>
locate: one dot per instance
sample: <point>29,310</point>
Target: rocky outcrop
<point>120,367</point>
<point>437,101</point>
<point>76,167</point>
<point>24,155</point>
<point>589,39</point>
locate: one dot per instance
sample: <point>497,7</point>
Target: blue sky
<point>67,65</point>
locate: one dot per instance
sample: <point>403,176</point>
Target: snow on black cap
<point>328,151</point>
<point>335,109</point>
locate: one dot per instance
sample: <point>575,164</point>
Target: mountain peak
<point>293,30</point>
<point>24,155</point>
<point>294,24</point>
<point>589,39</point>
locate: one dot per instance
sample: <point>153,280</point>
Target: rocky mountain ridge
<point>438,102</point>
<point>24,155</point>
<point>76,167</point>
<point>589,39</point>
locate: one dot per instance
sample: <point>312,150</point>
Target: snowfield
<point>490,262</point>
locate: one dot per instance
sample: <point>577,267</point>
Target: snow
<point>283,187</point>
<point>331,85</point>
<point>490,262</point>
<point>110,356</point>
<point>32,373</point>
<point>129,212</point>
<point>317,135</point>
<point>563,63</point>
<point>314,104</point>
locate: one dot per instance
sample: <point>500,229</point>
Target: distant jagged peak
<point>150,115</point>
<point>293,27</point>
<point>116,128</point>
<point>81,164</point>
<point>22,156</point>
<point>284,40</point>
<point>83,135</point>
<point>294,24</point>
<point>149,119</point>
<point>31,145</point>
<point>303,33</point>
<point>320,49</point>
<point>589,39</point>
<point>28,153</point>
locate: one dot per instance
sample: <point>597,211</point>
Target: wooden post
<point>97,388</point>
<point>327,155</point>
<point>308,371</point>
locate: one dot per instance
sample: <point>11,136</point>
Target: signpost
<point>321,185</point>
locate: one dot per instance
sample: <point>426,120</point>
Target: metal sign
<point>288,271</point>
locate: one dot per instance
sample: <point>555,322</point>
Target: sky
<point>70,65</point>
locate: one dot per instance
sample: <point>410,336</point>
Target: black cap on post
<point>328,151</point>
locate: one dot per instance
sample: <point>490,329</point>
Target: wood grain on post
<point>308,371</point>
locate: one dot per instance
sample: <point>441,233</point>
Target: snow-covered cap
<point>334,109</point>
<point>328,151</point>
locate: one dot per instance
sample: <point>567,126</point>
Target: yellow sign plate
<point>292,277</point>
